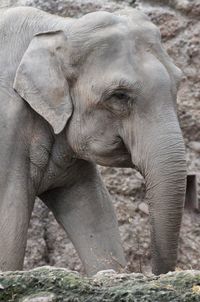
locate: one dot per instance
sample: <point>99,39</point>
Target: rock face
<point>179,23</point>
<point>54,285</point>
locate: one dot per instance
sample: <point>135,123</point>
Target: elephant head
<point>107,83</point>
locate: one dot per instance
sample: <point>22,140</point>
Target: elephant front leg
<point>86,213</point>
<point>15,212</point>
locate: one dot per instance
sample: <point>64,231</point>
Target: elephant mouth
<point>115,156</point>
<point>122,160</point>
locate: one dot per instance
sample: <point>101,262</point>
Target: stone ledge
<point>48,284</point>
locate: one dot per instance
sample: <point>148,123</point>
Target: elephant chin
<point>120,161</point>
<point>115,156</point>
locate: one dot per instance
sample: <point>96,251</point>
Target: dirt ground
<point>179,25</point>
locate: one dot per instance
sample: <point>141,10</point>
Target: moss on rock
<point>55,285</point>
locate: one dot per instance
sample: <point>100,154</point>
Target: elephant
<point>77,93</point>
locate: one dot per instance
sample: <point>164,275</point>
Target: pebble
<point>195,146</point>
<point>42,297</point>
<point>143,207</point>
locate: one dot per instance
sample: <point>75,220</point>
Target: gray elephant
<point>79,92</point>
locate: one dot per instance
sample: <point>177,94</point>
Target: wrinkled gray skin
<point>76,93</point>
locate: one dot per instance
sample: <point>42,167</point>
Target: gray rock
<point>41,297</point>
<point>195,146</point>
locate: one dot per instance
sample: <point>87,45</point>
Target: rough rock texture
<point>179,23</point>
<point>54,285</point>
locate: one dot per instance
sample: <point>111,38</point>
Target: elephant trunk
<point>165,178</point>
<point>160,157</point>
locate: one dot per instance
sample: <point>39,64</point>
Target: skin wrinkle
<point>172,223</point>
<point>13,153</point>
<point>59,163</point>
<point>151,174</point>
<point>37,169</point>
<point>124,85</point>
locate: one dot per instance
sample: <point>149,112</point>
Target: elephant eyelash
<point>121,96</point>
<point>126,87</point>
<point>117,93</point>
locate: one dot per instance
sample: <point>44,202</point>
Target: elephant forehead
<point>109,35</point>
<point>101,28</point>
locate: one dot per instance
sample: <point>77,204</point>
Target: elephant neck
<point>50,160</point>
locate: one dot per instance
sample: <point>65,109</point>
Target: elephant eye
<point>119,102</point>
<point>121,96</point>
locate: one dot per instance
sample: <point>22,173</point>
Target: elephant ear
<point>40,80</point>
